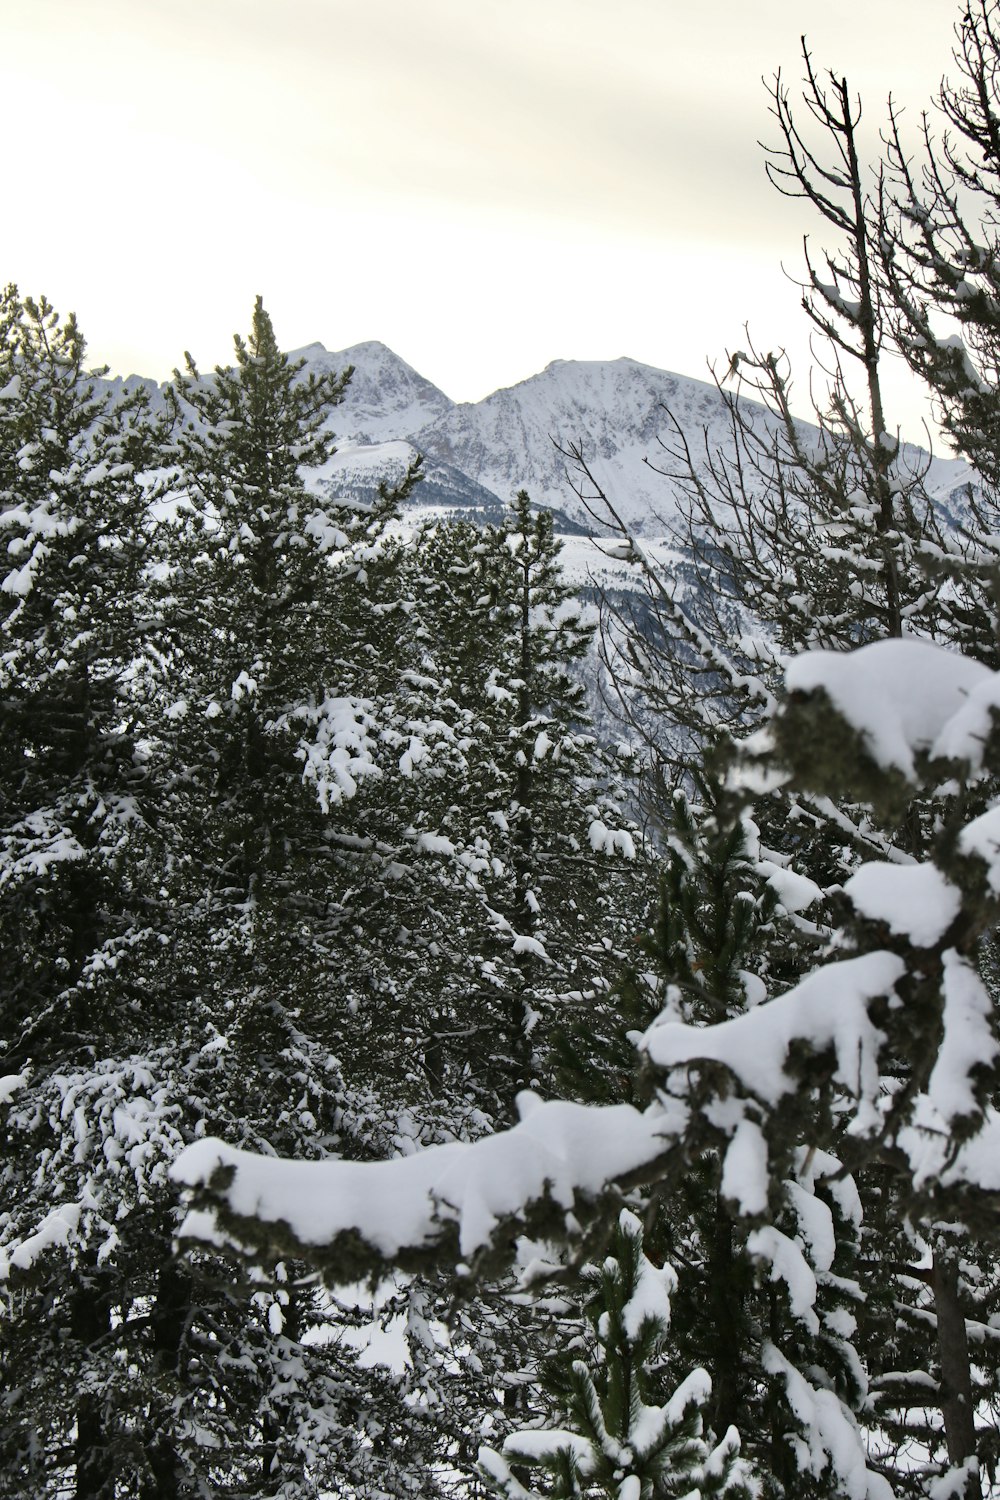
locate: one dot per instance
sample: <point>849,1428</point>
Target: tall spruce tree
<point>74,617</point>
<point>491,968</point>
<point>542,825</point>
<point>291,724</point>
<point>78,868</point>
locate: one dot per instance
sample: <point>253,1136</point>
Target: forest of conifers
<point>643,1083</point>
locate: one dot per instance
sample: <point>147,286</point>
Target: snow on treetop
<point>650,1299</point>
<point>546,1442</point>
<point>904,696</point>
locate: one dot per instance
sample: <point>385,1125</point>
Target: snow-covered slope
<point>479,454</point>
<point>386,399</point>
<point>617,411</point>
<point>358,468</point>
<point>613,408</point>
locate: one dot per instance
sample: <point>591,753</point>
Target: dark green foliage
<point>74,621</point>
<point>616,1427</point>
<point>248,780</point>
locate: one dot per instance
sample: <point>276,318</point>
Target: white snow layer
<point>915,901</point>
<point>829,1007</point>
<point>559,1147</point>
<point>904,697</point>
<point>11,1082</point>
<point>967,1042</point>
<point>744,1170</point>
<point>981,837</point>
<point>556,1146</point>
<point>788,1264</point>
<point>57,1228</point>
<point>830,1434</point>
<point>562,1148</point>
<point>546,1442</point>
<point>651,1298</point>
<point>795,892</point>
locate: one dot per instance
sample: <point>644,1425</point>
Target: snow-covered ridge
<point>479,454</point>
<point>615,409</point>
<point>387,400</point>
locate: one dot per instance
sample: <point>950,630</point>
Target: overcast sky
<point>484,185</point>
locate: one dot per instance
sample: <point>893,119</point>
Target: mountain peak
<point>375,347</point>
<point>309,352</point>
<point>386,399</point>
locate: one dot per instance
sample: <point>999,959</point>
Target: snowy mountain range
<point>479,454</point>
<point>509,440</point>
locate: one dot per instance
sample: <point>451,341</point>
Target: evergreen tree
<point>295,729</point>
<point>78,861</point>
<point>167,860</point>
<point>489,989</point>
<point>731,928</point>
<point>541,827</point>
<point>74,621</point>
<point>620,1439</point>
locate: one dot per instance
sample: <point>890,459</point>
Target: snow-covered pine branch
<point>910,993</point>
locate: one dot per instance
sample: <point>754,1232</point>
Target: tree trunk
<point>725,1311</point>
<point>169,1318</point>
<point>88,1323</point>
<point>956,1380</point>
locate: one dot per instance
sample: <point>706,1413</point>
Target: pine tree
<point>541,823</point>
<point>74,624</point>
<point>620,1438</point>
<point>482,1015</point>
<point>79,864</point>
<point>729,930</point>
<point>295,732</point>
<point>168,870</point>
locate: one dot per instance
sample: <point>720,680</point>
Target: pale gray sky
<point>484,185</point>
